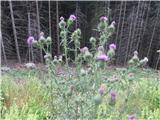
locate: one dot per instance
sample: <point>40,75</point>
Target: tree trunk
<point>39,29</point>
<point>57,21</point>
<point>14,31</point>
<point>31,57</point>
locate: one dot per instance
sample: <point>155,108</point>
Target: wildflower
<point>84,49</point>
<point>103,18</point>
<point>30,40</point>
<point>72,17</point>
<point>113,95</point>
<point>113,98</point>
<point>62,24</point>
<point>102,89</point>
<point>134,60</point>
<point>132,117</point>
<point>112,46</point>
<point>62,18</point>
<point>101,48</point>
<point>41,34</point>
<point>102,57</point>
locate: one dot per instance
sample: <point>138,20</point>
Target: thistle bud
<point>47,56</point>
<point>132,117</point>
<point>102,89</point>
<point>92,40</point>
<point>62,24</point>
<point>97,99</point>
<point>49,39</point>
<point>83,72</point>
<point>101,48</point>
<point>143,62</point>
<point>55,61</point>
<point>87,55</point>
<point>78,31</point>
<point>60,58</point>
<point>84,49</point>
<point>113,98</point>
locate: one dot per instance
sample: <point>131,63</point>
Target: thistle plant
<point>64,31</point>
<point>105,30</point>
<point>135,62</point>
<point>75,37</point>
<point>42,43</point>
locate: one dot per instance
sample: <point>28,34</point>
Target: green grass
<point>25,95</point>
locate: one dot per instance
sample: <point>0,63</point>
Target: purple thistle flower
<point>102,57</point>
<point>72,17</point>
<point>103,18</point>
<point>112,46</point>
<point>83,50</point>
<point>30,40</point>
<point>113,95</point>
<point>132,117</point>
<point>61,18</point>
<point>102,89</point>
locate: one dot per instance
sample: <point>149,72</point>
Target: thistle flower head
<point>101,48</point>
<point>112,46</point>
<point>102,89</point>
<point>132,117</point>
<point>135,53</point>
<point>41,34</point>
<point>113,95</point>
<point>62,18</point>
<point>145,59</point>
<point>103,18</point>
<point>102,57</point>
<point>30,40</point>
<point>84,49</point>
<point>72,17</point>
